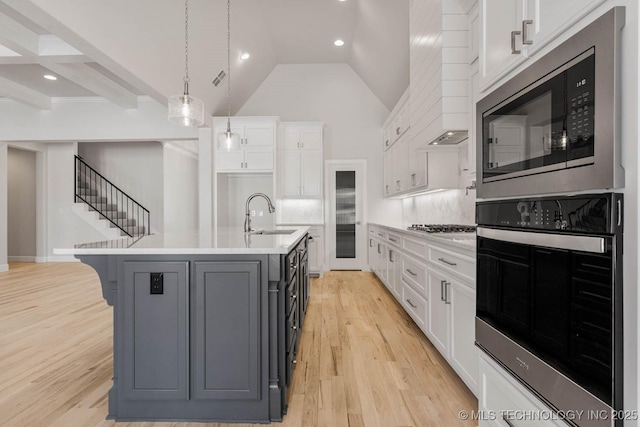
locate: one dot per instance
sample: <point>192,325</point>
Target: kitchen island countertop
<point>221,240</point>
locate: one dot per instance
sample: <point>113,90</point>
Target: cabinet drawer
<point>415,274</point>
<point>416,247</point>
<point>291,297</point>
<point>394,239</point>
<point>415,304</point>
<point>454,262</point>
<point>502,397</point>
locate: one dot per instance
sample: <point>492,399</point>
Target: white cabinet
<point>438,329</point>
<point>501,38</point>
<point>394,270</point>
<point>316,250</point>
<point>257,143</point>
<point>512,30</point>
<point>472,141</point>
<point>397,123</point>
<point>301,160</point>
<point>501,397</point>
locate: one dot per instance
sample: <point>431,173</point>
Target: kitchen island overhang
<point>206,331</point>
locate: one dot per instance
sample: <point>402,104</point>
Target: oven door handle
<point>558,241</point>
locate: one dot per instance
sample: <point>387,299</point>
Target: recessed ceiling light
<point>245,56</point>
<point>342,0</point>
<point>339,42</point>
<point>50,77</point>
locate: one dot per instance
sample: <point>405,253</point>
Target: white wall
<point>21,244</point>
<point>3,206</point>
<point>180,166</point>
<point>136,167</point>
<point>334,94</point>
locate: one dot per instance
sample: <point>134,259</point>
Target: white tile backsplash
<point>299,211</point>
<point>443,207</point>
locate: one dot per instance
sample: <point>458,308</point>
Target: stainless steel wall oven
<point>553,127</point>
<point>549,297</point>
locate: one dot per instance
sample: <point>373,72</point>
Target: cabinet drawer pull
<point>391,256</point>
<point>295,327</point>
<point>411,272</point>
<point>442,283</point>
<point>393,240</point>
<point>380,234</point>
<point>411,304</point>
<point>398,131</point>
<point>514,51</point>
<point>446,293</point>
<point>524,31</point>
<point>379,248</point>
<point>447,262</point>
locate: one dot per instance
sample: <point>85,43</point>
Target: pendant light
<point>228,140</point>
<point>186,110</point>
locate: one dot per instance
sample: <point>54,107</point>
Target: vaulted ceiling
<point>121,49</point>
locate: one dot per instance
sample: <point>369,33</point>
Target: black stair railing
<point>109,201</point>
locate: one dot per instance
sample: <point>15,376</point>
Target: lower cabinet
<point>434,284</point>
<point>226,331</point>
<point>316,251</point>
<point>154,324</point>
<point>452,310</point>
<point>502,399</point>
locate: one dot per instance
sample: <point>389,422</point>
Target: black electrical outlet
<point>157,284</point>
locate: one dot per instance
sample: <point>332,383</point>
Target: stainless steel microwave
<point>553,128</point>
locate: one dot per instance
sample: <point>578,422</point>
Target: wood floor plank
<point>362,362</point>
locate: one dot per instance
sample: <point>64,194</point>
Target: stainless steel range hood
<point>451,137</point>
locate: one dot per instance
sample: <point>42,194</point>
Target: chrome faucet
<point>247,218</point>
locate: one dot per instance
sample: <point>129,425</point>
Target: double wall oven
<point>549,296</point>
<point>549,236</point>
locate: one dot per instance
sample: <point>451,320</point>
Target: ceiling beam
<point>24,95</point>
<point>17,37</point>
<point>96,82</point>
<point>44,60</point>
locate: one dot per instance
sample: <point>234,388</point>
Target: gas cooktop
<point>443,228</point>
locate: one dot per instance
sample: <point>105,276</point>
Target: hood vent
<point>219,78</point>
<point>451,137</point>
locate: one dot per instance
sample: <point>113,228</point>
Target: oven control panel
<point>599,213</point>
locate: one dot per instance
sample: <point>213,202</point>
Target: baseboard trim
<point>41,259</point>
<point>62,258</point>
<point>21,259</point>
<point>4,267</point>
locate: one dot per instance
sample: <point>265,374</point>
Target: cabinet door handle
<point>391,256</point>
<point>295,361</point>
<point>386,143</point>
<point>386,187</point>
<point>514,51</point>
<point>413,179</point>
<point>446,293</point>
<point>442,283</point>
<point>447,262</point>
<point>410,272</point>
<point>506,420</point>
<point>393,240</point>
<point>411,304</point>
<point>370,243</point>
<point>398,131</point>
<point>295,327</point>
<point>524,31</point>
<point>379,248</point>
<point>398,185</point>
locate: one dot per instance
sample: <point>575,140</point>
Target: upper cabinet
<point>438,70</point>
<point>397,123</point>
<point>300,160</point>
<point>257,144</point>
<point>513,30</point>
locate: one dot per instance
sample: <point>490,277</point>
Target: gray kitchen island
<point>206,324</point>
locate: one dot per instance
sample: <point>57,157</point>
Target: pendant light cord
<point>228,65</point>
<point>186,47</point>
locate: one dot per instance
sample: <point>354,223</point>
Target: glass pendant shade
<point>228,141</point>
<point>186,110</point>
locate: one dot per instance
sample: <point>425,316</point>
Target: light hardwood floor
<point>362,362</point>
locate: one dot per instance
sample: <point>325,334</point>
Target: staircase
<point>110,202</point>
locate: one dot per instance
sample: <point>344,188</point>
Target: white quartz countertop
<point>461,240</point>
<point>222,240</point>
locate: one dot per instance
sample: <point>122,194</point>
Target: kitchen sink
<point>274,232</point>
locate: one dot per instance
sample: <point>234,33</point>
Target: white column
<point>205,179</point>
